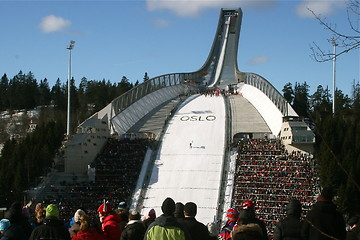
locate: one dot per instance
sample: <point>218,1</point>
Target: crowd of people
<point>177,221</point>
<point>273,189</point>
<point>117,169</point>
<point>268,175</point>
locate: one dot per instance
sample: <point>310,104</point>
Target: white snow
<point>187,173</point>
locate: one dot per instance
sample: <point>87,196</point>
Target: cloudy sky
<point>128,38</point>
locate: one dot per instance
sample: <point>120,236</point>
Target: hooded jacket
<point>88,234</point>
<point>289,228</point>
<point>166,227</point>
<point>322,220</point>
<point>52,228</point>
<point>134,230</point>
<point>111,227</point>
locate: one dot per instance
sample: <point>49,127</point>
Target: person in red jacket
<point>87,233</point>
<point>110,221</point>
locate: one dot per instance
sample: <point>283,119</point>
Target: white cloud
<point>53,23</point>
<point>319,7</point>
<point>161,23</point>
<point>190,8</point>
<point>258,60</point>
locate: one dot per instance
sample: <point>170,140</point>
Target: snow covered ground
<point>189,162</point>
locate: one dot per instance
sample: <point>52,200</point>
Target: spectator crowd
<point>274,197</point>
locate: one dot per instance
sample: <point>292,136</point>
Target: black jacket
<point>288,228</point>
<point>197,230</point>
<point>323,220</point>
<point>52,228</point>
<point>134,230</point>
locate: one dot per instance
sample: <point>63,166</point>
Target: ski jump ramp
<point>188,166</point>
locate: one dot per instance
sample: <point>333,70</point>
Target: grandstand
<point>197,126</point>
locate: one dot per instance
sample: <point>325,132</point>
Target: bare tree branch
<point>345,42</point>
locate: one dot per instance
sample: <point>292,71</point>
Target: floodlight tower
<point>70,47</point>
<point>332,40</point>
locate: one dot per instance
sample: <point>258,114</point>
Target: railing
<point>267,88</point>
<point>125,100</point>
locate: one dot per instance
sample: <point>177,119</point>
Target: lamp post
<point>332,40</point>
<point>70,47</point>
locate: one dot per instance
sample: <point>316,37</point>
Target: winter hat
<point>4,224</point>
<point>293,207</point>
<point>134,215</point>
<point>179,210</point>
<point>78,214</point>
<point>232,213</point>
<point>191,209</point>
<point>52,211</point>
<point>122,205</point>
<point>248,205</point>
<point>168,206</point>
<point>152,213</point>
<point>104,209</point>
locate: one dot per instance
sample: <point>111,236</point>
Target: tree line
<point>337,138</point>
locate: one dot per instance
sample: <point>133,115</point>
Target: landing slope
<point>190,173</point>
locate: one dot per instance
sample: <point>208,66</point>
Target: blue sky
<point>129,38</point>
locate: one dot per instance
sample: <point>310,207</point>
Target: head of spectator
<point>84,222</point>
<point>104,210</point>
<point>232,213</point>
<point>4,224</point>
<point>52,211</point>
<point>39,207</point>
<point>247,211</point>
<point>190,209</point>
<point>134,215</point>
<point>179,210</point>
<point>247,232</point>
<point>294,208</point>
<point>78,214</point>
<point>327,194</point>
<point>14,213</point>
<point>151,214</point>
<point>122,205</point>
<point>168,207</point>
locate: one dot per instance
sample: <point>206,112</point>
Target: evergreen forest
<point>24,160</point>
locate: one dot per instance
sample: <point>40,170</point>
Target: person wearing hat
<point>232,215</point>
<point>110,222</point>
<point>86,231</point>
<point>290,226</point>
<point>16,217</point>
<point>323,221</point>
<point>196,229</point>
<point>247,215</point>
<point>4,225</point>
<point>10,231</point>
<point>134,229</point>
<point>150,218</point>
<point>76,224</point>
<point>52,228</point>
<point>166,226</point>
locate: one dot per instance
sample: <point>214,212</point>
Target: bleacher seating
<point>269,176</point>
<point>117,170</point>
